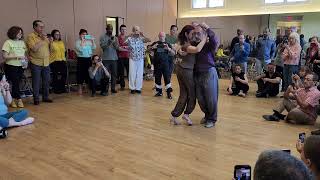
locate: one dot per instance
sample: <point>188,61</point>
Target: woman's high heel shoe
<point>174,121</point>
<point>187,119</point>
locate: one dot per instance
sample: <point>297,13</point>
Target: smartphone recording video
<point>302,137</point>
<point>242,172</point>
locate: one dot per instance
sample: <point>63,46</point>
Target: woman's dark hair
<point>182,37</point>
<point>220,46</point>
<point>94,56</point>
<point>13,32</point>
<point>55,31</point>
<point>83,31</point>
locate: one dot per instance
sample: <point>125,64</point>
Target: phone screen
<point>242,173</point>
<point>302,137</point>
<point>88,37</point>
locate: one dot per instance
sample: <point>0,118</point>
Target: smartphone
<point>87,37</point>
<point>242,172</point>
<point>287,151</point>
<point>302,137</point>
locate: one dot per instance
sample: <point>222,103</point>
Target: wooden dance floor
<point>128,136</point>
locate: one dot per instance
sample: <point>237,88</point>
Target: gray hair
<point>295,36</point>
<point>279,165</point>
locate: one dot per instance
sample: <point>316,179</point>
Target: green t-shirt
<point>15,48</point>
<point>171,39</point>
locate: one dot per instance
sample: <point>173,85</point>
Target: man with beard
<point>206,78</point>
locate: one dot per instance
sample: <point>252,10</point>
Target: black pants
<point>123,63</point>
<point>162,69</point>
<point>82,70</point>
<point>59,76</point>
<point>14,75</point>
<point>102,85</point>
<point>240,87</point>
<point>268,88</point>
<point>279,69</point>
<point>111,65</point>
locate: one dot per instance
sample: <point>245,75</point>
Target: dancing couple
<point>196,74</point>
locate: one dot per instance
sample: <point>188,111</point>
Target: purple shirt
<point>205,58</point>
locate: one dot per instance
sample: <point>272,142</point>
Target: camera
<point>242,172</point>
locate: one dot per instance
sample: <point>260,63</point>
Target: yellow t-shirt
<point>40,57</point>
<point>220,53</point>
<point>14,48</point>
<point>57,52</point>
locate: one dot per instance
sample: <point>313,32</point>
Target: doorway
<point>116,22</point>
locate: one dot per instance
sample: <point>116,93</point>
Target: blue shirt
<point>266,49</point>
<point>3,106</point>
<point>85,51</point>
<point>241,56</point>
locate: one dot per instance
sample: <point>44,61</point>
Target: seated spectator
<point>287,103</point>
<point>220,52</point>
<point>238,83</point>
<point>58,63</point>
<point>99,75</point>
<point>279,165</point>
<point>10,119</point>
<point>268,82</point>
<point>310,154</point>
<point>240,53</point>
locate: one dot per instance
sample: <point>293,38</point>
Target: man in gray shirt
<point>110,46</point>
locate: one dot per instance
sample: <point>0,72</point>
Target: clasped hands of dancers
<point>196,74</point>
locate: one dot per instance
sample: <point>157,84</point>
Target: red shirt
<point>123,54</point>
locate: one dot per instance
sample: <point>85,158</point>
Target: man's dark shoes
<point>270,118</point>
<point>47,101</point>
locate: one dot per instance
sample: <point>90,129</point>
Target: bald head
<point>162,36</point>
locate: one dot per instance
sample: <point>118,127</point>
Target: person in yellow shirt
<point>58,64</point>
<point>14,53</point>
<point>220,52</point>
<point>38,46</point>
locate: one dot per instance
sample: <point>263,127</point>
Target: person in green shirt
<point>172,39</point>
<point>14,53</point>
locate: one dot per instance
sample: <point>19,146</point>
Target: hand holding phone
<point>242,172</point>
<point>302,137</point>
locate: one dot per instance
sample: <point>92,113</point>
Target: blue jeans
<point>18,116</point>
<point>40,74</point>
<point>288,71</point>
<point>207,93</point>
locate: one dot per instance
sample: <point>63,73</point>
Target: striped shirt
<point>312,97</point>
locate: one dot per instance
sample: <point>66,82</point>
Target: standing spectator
<point>99,75</point>
<point>241,52</point>
<point>136,47</point>
<point>110,45</point>
<point>268,82</point>
<point>239,84</point>
<point>291,58</point>
<point>38,46</point>
<point>172,39</point>
<point>58,63</point>
<point>162,55</point>
<point>266,48</point>
<point>302,40</point>
<point>313,55</point>
<point>235,40</point>
<point>14,52</point>
<point>85,46</point>
<point>123,61</point>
